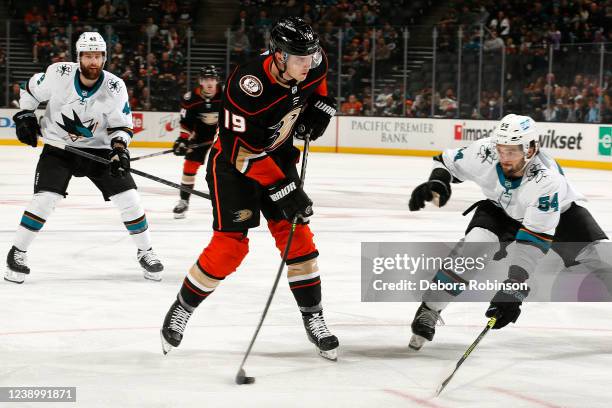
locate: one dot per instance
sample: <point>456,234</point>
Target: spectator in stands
<point>448,104</point>
<point>352,106</point>
<point>169,9</point>
<point>242,21</point>
<point>122,13</point>
<point>87,12</point>
<point>500,24</point>
<point>106,11</point>
<point>42,45</point>
<point>592,115</point>
<point>494,43</point>
<point>240,45</point>
<point>150,27</point>
<point>167,68</point>
<point>144,100</point>
<point>14,96</point>
<point>33,19</point>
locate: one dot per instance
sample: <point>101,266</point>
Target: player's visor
<point>313,60</point>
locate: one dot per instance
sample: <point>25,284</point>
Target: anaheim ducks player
<point>199,117</point>
<point>251,169</point>
<point>87,108</point>
<point>528,200</point>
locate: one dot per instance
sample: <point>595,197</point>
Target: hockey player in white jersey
<point>528,201</point>
<point>87,108</point>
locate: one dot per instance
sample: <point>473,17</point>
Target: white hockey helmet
<point>90,41</point>
<point>516,130</point>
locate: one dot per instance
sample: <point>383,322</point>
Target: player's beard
<point>91,72</point>
<point>513,171</point>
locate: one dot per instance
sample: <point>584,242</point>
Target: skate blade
<point>331,355</point>
<point>416,342</point>
<point>152,276</point>
<point>179,216</point>
<point>14,277</point>
<point>166,347</point>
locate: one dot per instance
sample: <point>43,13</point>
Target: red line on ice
<point>412,398</point>
<point>523,397</point>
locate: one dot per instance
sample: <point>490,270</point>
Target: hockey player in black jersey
<point>199,117</point>
<point>251,170</point>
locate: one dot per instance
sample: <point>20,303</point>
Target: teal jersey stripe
<point>543,244</point>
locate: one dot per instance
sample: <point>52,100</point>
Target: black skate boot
<point>16,266</point>
<point>174,326</point>
<point>180,210</point>
<point>319,335</point>
<point>424,326</point>
<point>151,264</point>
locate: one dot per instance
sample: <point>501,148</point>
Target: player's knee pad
<point>128,201</point>
<point>223,254</point>
<point>480,241</point>
<point>40,208</point>
<point>191,167</point>
<point>43,203</point>
<point>596,255</point>
<point>302,244</point>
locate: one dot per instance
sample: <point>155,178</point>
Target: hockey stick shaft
<point>99,159</point>
<point>488,327</point>
<point>146,156</point>
<point>240,375</point>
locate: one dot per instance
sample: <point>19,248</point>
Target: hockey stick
<point>444,383</point>
<point>241,377</point>
<point>93,157</point>
<point>146,156</point>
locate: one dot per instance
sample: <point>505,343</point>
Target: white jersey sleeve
<point>466,163</point>
<point>120,124</point>
<point>38,88</point>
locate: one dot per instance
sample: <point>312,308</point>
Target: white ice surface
<point>85,317</point>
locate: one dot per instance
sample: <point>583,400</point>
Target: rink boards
<point>572,144</point>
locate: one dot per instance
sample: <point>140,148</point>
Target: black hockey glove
<point>180,146</point>
<point>119,158</point>
<point>506,304</point>
<point>314,119</point>
<point>439,183</point>
<point>291,199</point>
<point>27,127</point>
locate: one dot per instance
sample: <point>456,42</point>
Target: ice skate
<point>174,326</point>
<point>424,326</point>
<point>320,336</point>
<point>151,264</point>
<point>180,210</point>
<point>16,266</point>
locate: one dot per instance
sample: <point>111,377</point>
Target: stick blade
<point>242,378</point>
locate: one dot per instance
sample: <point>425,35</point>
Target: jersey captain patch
<point>251,85</point>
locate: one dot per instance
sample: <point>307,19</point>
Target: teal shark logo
<point>75,127</point>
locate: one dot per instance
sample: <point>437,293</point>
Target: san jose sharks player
<point>87,108</point>
<point>528,201</point>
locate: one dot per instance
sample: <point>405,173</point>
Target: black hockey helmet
<point>293,36</point>
<point>210,71</point>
